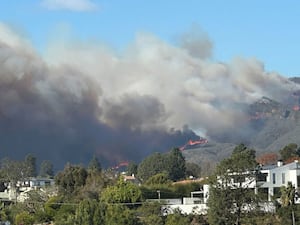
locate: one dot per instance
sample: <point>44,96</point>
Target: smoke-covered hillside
<point>271,126</point>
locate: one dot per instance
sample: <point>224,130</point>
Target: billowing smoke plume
<point>82,98</point>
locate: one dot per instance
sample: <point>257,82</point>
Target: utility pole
<point>158,192</point>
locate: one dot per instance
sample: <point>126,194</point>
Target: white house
<point>196,204</point>
<point>274,177</point>
<point>270,179</point>
<point>23,187</point>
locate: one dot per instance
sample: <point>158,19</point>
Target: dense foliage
<point>71,179</point>
<point>46,169</point>
<point>171,163</point>
<point>289,151</point>
<point>230,189</point>
<point>91,195</point>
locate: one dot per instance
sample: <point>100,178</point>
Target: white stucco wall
<point>196,209</point>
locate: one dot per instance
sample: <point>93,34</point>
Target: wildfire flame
<point>193,143</point>
<point>121,164</point>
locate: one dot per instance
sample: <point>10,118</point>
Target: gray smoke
<point>82,98</point>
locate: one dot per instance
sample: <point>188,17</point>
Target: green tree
<point>150,214</point>
<point>158,179</point>
<point>288,201</point>
<point>24,218</point>
<point>151,165</point>
<point>172,163</point>
<point>96,181</point>
<point>152,220</point>
<point>30,163</point>
<point>122,192</point>
<point>71,179</point>
<point>12,172</point>
<point>132,168</point>
<point>176,219</point>
<point>52,206</point>
<point>193,169</point>
<point>89,212</point>
<point>289,151</point>
<point>175,164</point>
<point>46,169</point>
<point>230,187</point>
<point>94,164</point>
<point>65,214</point>
<point>3,212</point>
<point>261,218</point>
<point>118,214</point>
<point>35,202</point>
<point>287,195</point>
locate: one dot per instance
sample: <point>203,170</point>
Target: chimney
<point>279,163</point>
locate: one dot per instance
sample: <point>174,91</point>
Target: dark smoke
<point>82,99</point>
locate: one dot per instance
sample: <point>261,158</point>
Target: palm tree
<point>288,198</point>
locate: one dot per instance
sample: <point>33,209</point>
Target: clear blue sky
<point>268,30</point>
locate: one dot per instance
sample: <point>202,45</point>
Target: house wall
<point>205,193</point>
<point>4,195</point>
<point>280,176</point>
<point>24,187</point>
<point>198,209</point>
<point>194,200</point>
<point>169,201</point>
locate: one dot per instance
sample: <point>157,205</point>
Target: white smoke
<point>189,88</point>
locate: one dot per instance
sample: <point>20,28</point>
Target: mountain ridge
<point>272,125</point>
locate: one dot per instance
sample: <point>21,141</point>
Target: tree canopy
<point>71,179</point>
<point>193,169</point>
<point>13,170</point>
<point>122,192</point>
<point>95,164</point>
<point>230,186</point>
<point>30,163</point>
<point>171,163</point>
<point>46,169</point>
<point>132,168</point>
<point>151,165</point>
<point>289,151</point>
<point>175,164</point>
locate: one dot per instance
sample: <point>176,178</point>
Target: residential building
<point>19,193</point>
<point>267,182</point>
<point>273,177</point>
<point>133,179</point>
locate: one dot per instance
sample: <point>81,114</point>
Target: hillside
<point>271,126</point>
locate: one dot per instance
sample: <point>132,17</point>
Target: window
<point>283,178</point>
<point>274,178</point>
<point>262,177</point>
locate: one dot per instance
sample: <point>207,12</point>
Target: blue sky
<point>267,30</point>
